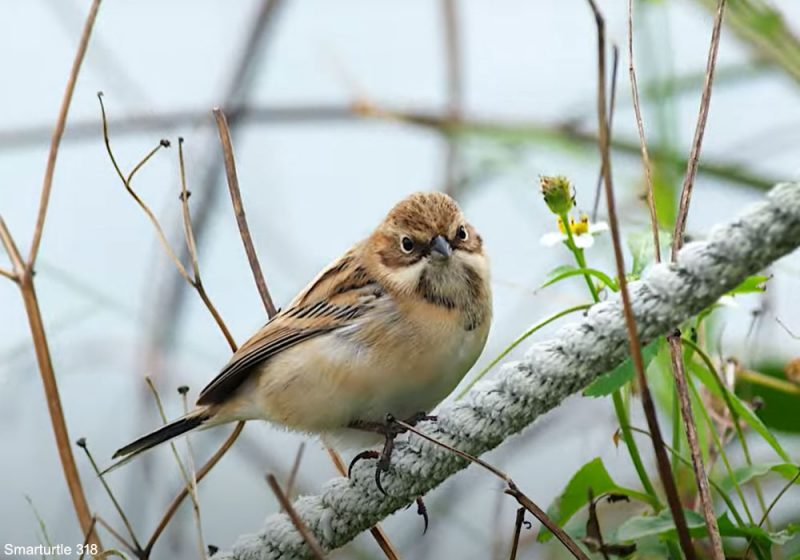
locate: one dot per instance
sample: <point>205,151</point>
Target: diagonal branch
<point>550,371</point>
<point>675,348</point>
<point>58,132</point>
<point>662,459</point>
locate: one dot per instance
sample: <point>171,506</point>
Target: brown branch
<point>238,209</point>
<point>676,350</point>
<point>662,459</point>
<point>316,549</point>
<point>699,131</point>
<point>23,274</point>
<point>612,105</point>
<point>511,489</point>
<point>648,167</point>
<point>376,531</point>
<point>700,476</point>
<point>191,246</point>
<point>55,142</point>
<point>256,269</point>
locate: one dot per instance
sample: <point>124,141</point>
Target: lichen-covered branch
<point>497,408</point>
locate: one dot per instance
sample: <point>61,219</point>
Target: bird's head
<point>425,246</point>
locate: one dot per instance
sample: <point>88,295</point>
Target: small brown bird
<point>390,328</point>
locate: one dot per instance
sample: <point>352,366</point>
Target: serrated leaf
<point>620,375</point>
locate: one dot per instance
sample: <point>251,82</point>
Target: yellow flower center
<point>579,227</point>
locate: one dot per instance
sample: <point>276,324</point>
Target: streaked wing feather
<point>340,294</point>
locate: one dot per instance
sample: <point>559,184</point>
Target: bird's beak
<point>440,248</point>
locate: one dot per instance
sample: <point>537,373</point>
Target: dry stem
<point>648,167</point>
<point>676,351</point>
<point>298,523</point>
<point>662,459</point>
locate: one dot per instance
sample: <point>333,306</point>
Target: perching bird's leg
<point>389,430</point>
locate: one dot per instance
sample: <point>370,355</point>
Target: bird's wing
<point>335,299</point>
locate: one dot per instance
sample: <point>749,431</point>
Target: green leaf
<point>751,284</point>
<point>707,379</point>
<point>572,271</point>
<point>642,249</point>
<point>576,495</point>
<point>727,528</point>
<point>743,475</point>
<point>620,375</point>
<point>661,525</point>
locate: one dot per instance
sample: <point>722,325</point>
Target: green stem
<point>619,405</point>
<point>633,450</point>
<point>579,256</point>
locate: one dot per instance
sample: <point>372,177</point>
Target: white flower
<point>583,232</point>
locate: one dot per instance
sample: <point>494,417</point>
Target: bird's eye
<point>407,244</point>
<point>462,233</point>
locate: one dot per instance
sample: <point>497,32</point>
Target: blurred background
<point>338,110</point>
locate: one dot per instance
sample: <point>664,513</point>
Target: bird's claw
<point>368,454</point>
<point>423,511</point>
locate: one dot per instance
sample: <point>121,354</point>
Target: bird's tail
<point>161,435</point>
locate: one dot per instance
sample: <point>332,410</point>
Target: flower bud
<point>557,194</point>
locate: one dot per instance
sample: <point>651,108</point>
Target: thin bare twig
<point>55,142</point>
<point>648,167</point>
<point>699,131</point>
<point>376,530</point>
<point>676,350</point>
<point>238,209</point>
<point>295,469</point>
<point>316,549</point>
<point>107,526</point>
<point>268,305</point>
<point>184,492</point>
<point>614,67</point>
<point>169,302</point>
<point>8,274</point>
<point>23,275</point>
<point>662,459</point>
<point>517,530</point>
<point>701,478</point>
<point>191,246</point>
<point>183,390</point>
<point>511,489</point>
<point>83,445</point>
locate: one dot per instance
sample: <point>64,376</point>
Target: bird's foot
<point>389,429</point>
